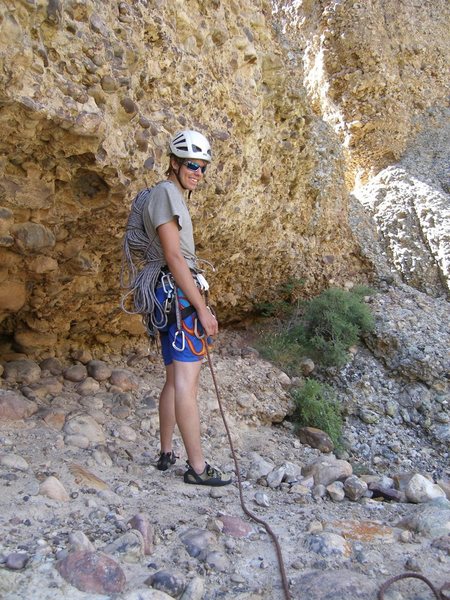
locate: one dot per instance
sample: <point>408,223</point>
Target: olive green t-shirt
<point>166,203</point>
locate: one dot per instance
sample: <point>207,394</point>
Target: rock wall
<point>378,73</point>
<point>90,92</point>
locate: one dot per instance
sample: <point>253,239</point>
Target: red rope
<point>241,495</point>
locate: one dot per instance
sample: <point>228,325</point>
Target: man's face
<point>191,172</point>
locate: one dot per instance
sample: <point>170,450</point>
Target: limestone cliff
<point>91,90</point>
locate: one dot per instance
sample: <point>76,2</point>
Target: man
<point>176,308</point>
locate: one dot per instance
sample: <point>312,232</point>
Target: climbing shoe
<point>210,476</point>
<point>165,460</point>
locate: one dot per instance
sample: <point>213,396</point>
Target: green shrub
<point>324,328</point>
<point>281,349</point>
<point>333,322</point>
<point>316,406</point>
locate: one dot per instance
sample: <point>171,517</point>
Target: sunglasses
<point>193,166</point>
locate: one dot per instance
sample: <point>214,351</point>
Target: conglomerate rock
<point>91,91</point>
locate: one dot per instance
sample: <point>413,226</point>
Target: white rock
<point>127,433</point>
<point>420,489</point>
<point>54,489</point>
<point>259,467</point>
<point>336,491</point>
<point>102,458</point>
<point>87,426</point>
<point>275,477</point>
<point>14,461</point>
<point>262,499</point>
<point>284,379</point>
<point>79,541</point>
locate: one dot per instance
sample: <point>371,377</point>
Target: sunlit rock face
<point>378,73</point>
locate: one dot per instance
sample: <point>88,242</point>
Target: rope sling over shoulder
<point>143,270</point>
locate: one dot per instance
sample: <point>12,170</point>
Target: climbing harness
<point>442,594</point>
<point>144,270</point>
<point>252,516</point>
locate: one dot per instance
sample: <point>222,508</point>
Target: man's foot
<point>165,460</point>
<point>210,476</point>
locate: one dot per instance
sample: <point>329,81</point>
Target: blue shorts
<point>184,345</point>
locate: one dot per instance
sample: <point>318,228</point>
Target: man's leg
<point>186,381</point>
<point>167,410</point>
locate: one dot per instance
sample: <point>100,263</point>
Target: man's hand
<point>208,321</point>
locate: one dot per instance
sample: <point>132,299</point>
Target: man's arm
<point>170,241</point>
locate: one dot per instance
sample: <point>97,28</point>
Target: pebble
<point>79,541</point>
<point>130,547</point>
<point>15,407</point>
<point>262,499</point>
<point>124,379</point>
<point>14,461</point>
<point>420,489</point>
<point>99,370</point>
<point>218,561</point>
<point>336,491</point>
<point>17,561</point>
<point>141,523</point>
<point>92,572</point>
<point>88,386</point>
<point>86,426</point>
<point>327,470</point>
<point>197,542</point>
<point>172,583</point>
<point>235,526</point>
<point>355,488</point>
<point>54,489</point>
<point>316,438</point>
<point>75,373</point>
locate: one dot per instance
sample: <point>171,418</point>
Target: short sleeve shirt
<point>166,203</point>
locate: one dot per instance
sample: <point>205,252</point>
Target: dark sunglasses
<point>193,166</point>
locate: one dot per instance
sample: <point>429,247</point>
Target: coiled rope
<point>141,267</point>
<point>241,495</point>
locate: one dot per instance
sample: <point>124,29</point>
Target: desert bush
<point>323,328</point>
<point>333,322</point>
<point>316,406</point>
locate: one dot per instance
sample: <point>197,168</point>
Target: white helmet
<point>190,144</point>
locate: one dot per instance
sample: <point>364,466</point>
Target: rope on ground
<point>241,495</point>
<point>441,594</point>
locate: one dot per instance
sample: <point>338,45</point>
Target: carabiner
<point>197,335</point>
<point>167,284</point>
<point>174,343</point>
<point>167,304</point>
